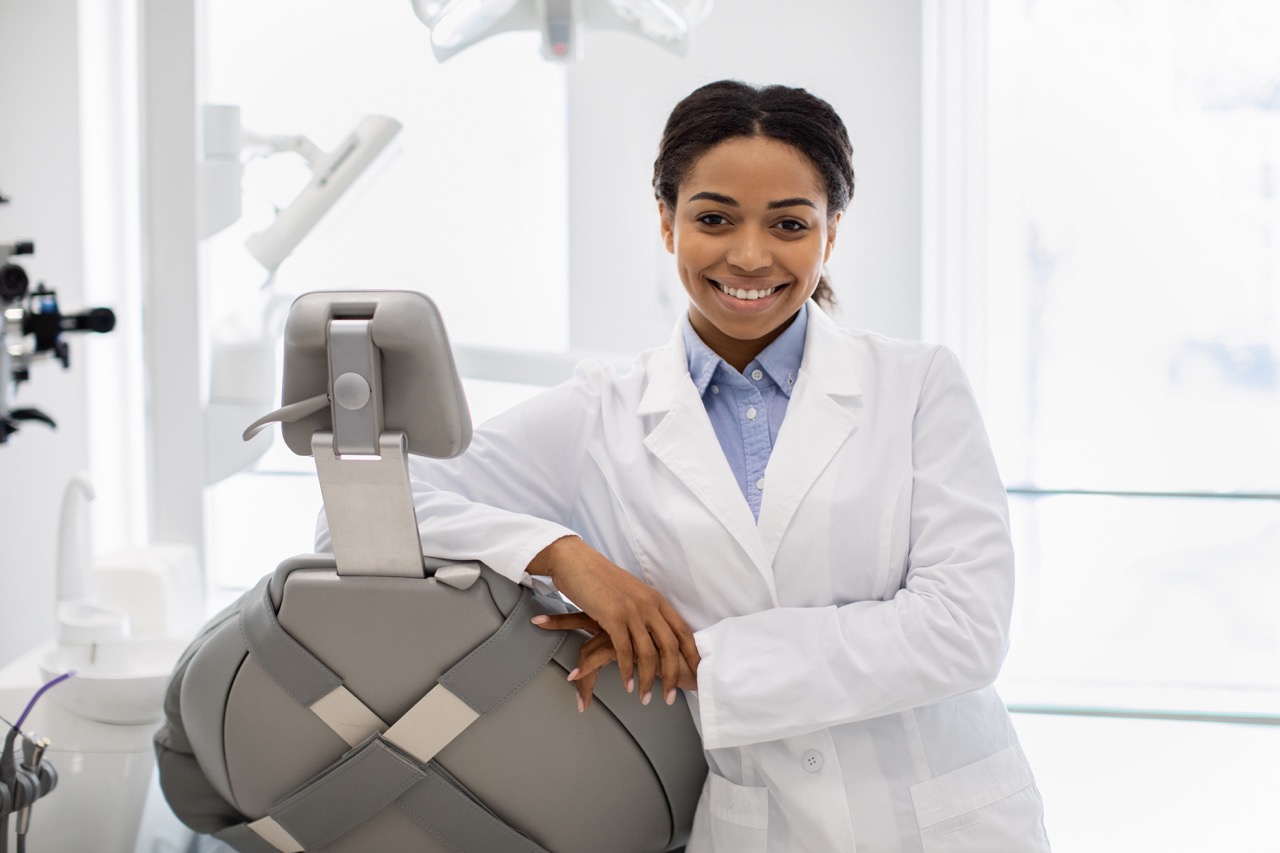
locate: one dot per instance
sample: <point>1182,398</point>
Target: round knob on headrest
<point>351,391</point>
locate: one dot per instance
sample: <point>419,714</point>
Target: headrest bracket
<point>355,387</point>
<point>370,508</point>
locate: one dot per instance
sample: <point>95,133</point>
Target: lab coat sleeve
<point>788,671</point>
<point>511,493</point>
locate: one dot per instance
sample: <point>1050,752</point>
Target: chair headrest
<point>421,393</point>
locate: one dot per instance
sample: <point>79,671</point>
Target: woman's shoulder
<point>868,352</point>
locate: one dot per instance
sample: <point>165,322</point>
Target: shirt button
<point>760,485</point>
<point>811,761</point>
<point>751,413</point>
<point>715,389</point>
<point>757,374</point>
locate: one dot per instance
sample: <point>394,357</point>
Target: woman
<point>802,527</point>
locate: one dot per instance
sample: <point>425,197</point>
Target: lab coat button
<point>757,374</point>
<point>751,413</point>
<point>812,761</point>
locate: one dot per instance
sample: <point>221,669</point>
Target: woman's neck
<point>736,352</point>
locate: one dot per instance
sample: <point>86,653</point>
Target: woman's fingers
<point>567,622</point>
<point>648,636</point>
<point>683,634</point>
<point>593,656</point>
<point>669,647</point>
<point>646,663</point>
<point>585,686</point>
<point>598,652</point>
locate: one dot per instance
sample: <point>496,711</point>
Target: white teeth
<point>748,295</point>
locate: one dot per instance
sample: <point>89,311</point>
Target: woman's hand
<point>598,652</point>
<point>644,633</point>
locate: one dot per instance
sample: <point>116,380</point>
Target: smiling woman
<point>801,527</point>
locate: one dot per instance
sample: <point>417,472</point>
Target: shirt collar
<point>780,360</point>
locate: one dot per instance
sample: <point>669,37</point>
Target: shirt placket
<point>753,416</point>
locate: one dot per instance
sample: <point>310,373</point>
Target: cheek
<point>690,251</point>
<point>807,261</point>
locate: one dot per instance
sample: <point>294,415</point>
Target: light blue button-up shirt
<point>746,409</point>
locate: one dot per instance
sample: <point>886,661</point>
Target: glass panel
<point>1157,603</point>
<point>1133,309</point>
<point>1123,786</point>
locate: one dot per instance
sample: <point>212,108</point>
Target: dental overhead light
<point>457,24</point>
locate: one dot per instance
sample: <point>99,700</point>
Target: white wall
<point>40,173</point>
<point>862,56</point>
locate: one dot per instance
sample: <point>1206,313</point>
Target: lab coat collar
<point>685,442</point>
<point>829,357</point>
<point>827,366</point>
<point>816,425</point>
<point>821,416</point>
<point>668,372</point>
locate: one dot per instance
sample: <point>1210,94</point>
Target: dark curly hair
<point>729,108</point>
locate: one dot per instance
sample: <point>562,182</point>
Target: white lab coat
<point>849,639</point>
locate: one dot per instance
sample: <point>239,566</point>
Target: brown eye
<point>792,225</point>
<point>712,219</point>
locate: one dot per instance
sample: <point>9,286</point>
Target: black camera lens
<point>13,282</point>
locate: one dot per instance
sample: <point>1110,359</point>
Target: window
<point>1101,224</point>
<point>472,212</point>
<point>1132,355</point>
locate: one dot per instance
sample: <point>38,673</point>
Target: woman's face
<point>750,234</point>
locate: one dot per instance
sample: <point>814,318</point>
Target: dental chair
<point>376,699</point>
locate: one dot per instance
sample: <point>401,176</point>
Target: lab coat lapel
<point>685,442</point>
<point>820,418</point>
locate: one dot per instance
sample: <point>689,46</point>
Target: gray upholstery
<point>253,749</point>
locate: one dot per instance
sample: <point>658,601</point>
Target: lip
<point>741,306</point>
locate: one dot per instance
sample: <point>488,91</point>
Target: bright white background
<point>1117,305</point>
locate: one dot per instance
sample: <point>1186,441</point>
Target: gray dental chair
<point>379,700</point>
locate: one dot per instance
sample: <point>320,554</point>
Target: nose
<point>749,251</point>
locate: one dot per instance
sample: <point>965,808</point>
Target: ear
<point>667,222</point>
<point>831,237</point>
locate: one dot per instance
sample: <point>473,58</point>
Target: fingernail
<point>644,700</point>
<point>573,674</point>
<point>671,697</point>
<point>540,620</point>
<point>631,685</point>
<point>582,706</point>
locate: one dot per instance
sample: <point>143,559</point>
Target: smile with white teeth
<point>739,293</point>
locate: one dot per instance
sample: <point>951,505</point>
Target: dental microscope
<point>31,330</point>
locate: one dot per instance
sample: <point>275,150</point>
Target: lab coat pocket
<point>989,806</point>
<point>738,816</point>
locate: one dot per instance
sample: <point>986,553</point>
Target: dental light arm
<point>242,361</point>
<point>333,173</point>
<point>226,146</point>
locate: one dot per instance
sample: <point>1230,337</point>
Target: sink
<point>118,681</point>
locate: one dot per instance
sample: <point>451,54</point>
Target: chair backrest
<point>377,699</point>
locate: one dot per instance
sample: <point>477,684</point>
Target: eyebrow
<point>773,205</point>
